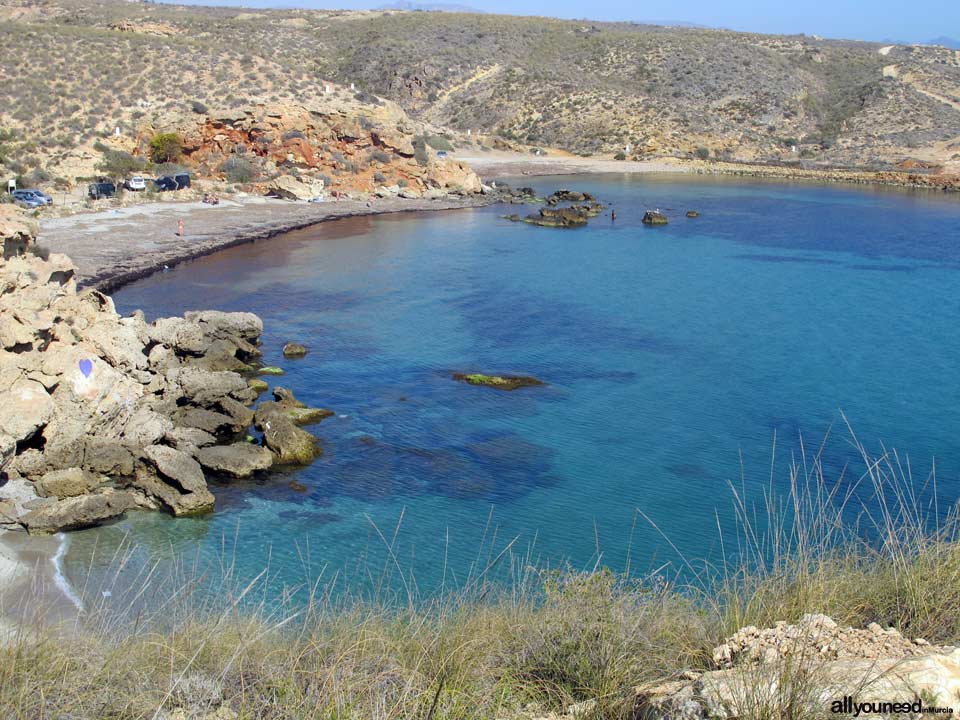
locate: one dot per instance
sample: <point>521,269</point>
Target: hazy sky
<point>860,19</point>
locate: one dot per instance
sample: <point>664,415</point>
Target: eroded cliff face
<point>352,145</point>
<point>101,413</point>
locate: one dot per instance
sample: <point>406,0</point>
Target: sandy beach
<point>29,585</point>
<point>116,246</point>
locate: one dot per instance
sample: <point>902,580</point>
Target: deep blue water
<point>672,356</point>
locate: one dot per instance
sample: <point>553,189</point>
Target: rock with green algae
<point>499,382</point>
<point>270,370</point>
<point>294,350</point>
<point>297,411</point>
<point>258,385</point>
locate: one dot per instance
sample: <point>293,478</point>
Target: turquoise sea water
<point>672,356</point>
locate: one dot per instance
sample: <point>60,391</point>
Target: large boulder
<point>77,512</point>
<point>291,445</point>
<point>177,482</point>
<point>295,188</point>
<point>240,460</point>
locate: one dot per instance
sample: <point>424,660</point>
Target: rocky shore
<point>102,414</point>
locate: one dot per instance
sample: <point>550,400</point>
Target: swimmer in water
<point>613,214</point>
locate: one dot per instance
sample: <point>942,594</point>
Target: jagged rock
<point>146,427</point>
<point>241,415</point>
<point>77,512</point>
<point>654,217</point>
<point>66,483</point>
<point>205,388</point>
<point>108,457</point>
<point>215,423</point>
<point>823,662</point>
<point>193,438</point>
<point>24,409</point>
<point>239,460</point>
<point>289,443</point>
<point>227,325</point>
<point>17,231</point>
<point>298,411</point>
<point>179,503</point>
<point>184,488</point>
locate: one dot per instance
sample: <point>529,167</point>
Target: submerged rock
<point>269,370</point>
<point>693,214</point>
<point>500,382</point>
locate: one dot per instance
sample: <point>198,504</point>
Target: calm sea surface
<point>672,356</point>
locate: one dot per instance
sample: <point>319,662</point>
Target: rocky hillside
<point>584,87</point>
<point>108,82</point>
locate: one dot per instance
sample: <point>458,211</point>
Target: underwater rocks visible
<point>584,207</point>
<point>654,217</point>
<point>101,413</point>
<point>499,382</point>
<point>693,214</point>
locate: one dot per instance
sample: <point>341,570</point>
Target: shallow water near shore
<point>672,358</point>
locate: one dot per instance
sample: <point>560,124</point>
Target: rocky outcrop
<point>811,666</point>
<point>16,229</point>
<point>654,217</point>
<point>101,413</point>
<point>298,151</point>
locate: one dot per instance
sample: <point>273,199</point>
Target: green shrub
<point>165,147</point>
<point>702,153</point>
<point>117,164</point>
<point>620,156</point>
<point>238,169</point>
<point>439,142</point>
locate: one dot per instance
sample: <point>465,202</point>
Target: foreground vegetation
<point>542,643</point>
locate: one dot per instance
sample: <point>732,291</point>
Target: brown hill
<point>81,70</point>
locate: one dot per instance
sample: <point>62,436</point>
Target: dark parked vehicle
<point>101,190</point>
<point>173,182</point>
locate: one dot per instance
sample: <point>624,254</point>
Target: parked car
<point>173,182</point>
<point>441,153</point>
<point>31,198</point>
<point>101,190</point>
<point>135,183</point>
